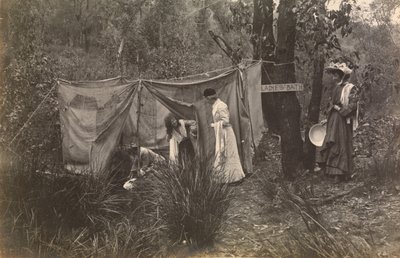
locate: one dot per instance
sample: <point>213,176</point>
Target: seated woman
<point>181,136</point>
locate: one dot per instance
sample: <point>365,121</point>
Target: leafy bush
<point>192,205</point>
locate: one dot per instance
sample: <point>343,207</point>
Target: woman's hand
<point>324,121</point>
<point>336,107</point>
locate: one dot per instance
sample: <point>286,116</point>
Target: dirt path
<point>253,223</point>
<point>370,214</point>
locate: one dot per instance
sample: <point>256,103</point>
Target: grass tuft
<point>66,215</point>
<point>316,239</point>
<point>192,204</point>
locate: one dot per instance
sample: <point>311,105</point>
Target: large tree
<point>317,39</point>
<point>282,110</point>
<point>263,41</point>
<point>287,104</point>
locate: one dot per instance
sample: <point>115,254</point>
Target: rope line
<point>266,72</point>
<point>198,74</point>
<point>270,62</point>
<point>48,94</point>
<point>198,10</point>
<point>33,113</point>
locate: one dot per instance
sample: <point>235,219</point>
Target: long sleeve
<point>190,122</point>
<point>192,127</point>
<point>222,114</point>
<point>173,150</point>
<point>352,106</point>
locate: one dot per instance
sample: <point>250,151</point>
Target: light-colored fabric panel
<point>178,96</point>
<point>105,113</point>
<point>107,140</point>
<point>152,132</point>
<point>252,79</point>
<point>88,112</point>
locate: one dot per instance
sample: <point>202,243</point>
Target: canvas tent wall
<point>97,116</point>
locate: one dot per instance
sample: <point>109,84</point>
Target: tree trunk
<point>392,156</point>
<point>314,107</point>
<point>287,104</point>
<point>264,46</point>
<point>86,30</point>
<point>202,24</point>
<point>3,40</point>
<point>317,89</point>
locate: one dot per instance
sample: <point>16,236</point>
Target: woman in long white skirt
<point>227,161</point>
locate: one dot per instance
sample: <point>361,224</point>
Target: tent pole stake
<point>137,125</point>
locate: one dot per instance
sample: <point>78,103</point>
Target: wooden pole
<point>137,123</point>
<point>119,57</point>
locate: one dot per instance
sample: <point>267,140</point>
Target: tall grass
<point>385,169</point>
<point>315,239</point>
<point>59,214</point>
<point>65,215</point>
<point>192,204</point>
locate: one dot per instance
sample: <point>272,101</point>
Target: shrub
<point>319,243</point>
<point>192,204</point>
<point>384,169</point>
<point>61,214</point>
<point>316,238</point>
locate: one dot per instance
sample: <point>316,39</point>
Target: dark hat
<point>209,92</point>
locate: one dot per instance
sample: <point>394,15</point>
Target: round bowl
<point>317,134</point>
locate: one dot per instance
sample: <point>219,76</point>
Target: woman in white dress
<point>227,161</point>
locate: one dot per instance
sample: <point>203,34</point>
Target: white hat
<point>317,134</point>
<point>341,67</point>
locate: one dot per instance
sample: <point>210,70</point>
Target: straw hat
<point>317,134</point>
<point>341,67</point>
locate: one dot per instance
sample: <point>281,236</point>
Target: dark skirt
<point>186,152</point>
<point>337,149</point>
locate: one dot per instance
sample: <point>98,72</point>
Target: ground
<point>365,210</point>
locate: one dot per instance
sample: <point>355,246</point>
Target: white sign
<point>282,87</point>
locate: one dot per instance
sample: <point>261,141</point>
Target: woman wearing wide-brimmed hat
<point>342,119</point>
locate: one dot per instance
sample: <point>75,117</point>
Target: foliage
<point>318,26</point>
<point>81,40</point>
<point>193,205</point>
<point>316,238</point>
<point>59,214</point>
<point>378,64</point>
<point>384,170</point>
<point>318,244</point>
<point>317,34</point>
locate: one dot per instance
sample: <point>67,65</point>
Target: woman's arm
<point>352,106</point>
<point>223,115</point>
<point>189,122</point>
<point>191,126</point>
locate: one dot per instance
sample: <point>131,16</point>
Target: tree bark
<point>202,24</point>
<point>86,30</point>
<point>314,107</point>
<point>264,46</point>
<point>392,156</point>
<point>317,89</point>
<point>287,104</point>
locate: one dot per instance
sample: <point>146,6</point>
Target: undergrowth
<point>193,205</point>
<point>385,170</point>
<point>316,238</point>
<point>65,215</point>
<point>59,214</point>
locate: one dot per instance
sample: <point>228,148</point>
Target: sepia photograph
<point>200,128</point>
